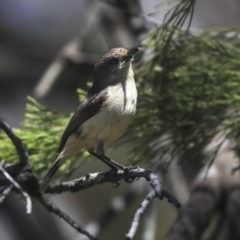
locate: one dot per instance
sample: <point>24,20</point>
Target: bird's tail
<point>46,181</point>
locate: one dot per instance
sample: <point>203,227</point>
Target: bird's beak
<point>131,54</point>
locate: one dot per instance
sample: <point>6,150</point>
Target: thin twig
<point>138,214</point>
<point>52,208</point>
<point>117,205</point>
<point>5,192</point>
<point>171,198</point>
<point>17,186</point>
<point>22,153</point>
<point>150,222</point>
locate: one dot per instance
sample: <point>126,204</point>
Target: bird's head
<point>114,65</point>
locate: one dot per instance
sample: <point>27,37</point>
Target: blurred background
<point>34,33</point>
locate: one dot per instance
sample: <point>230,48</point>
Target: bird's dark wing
<point>87,109</point>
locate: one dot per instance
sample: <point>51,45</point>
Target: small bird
<point>105,113</point>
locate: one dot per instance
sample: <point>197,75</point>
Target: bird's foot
<point>126,174</point>
<point>113,171</point>
<point>117,183</point>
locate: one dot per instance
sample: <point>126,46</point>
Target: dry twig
<point>22,153</point>
<point>4,193</point>
<point>138,214</point>
<point>19,188</point>
<point>51,208</point>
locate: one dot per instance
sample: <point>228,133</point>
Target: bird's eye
<point>114,60</point>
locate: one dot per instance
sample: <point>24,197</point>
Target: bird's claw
<point>126,174</point>
<point>117,184</point>
<point>113,172</point>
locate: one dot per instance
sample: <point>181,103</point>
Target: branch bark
<point>145,203</point>
<point>22,153</point>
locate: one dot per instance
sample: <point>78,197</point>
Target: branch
<point>150,222</point>
<point>5,192</point>
<point>117,205</point>
<point>21,151</point>
<point>19,188</point>
<point>171,198</point>
<point>93,179</point>
<point>138,214</point>
<point>51,208</point>
<point>111,176</point>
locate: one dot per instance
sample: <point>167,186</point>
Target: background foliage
<point>191,95</point>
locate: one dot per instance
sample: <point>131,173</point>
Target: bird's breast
<point>115,116</point>
<point>122,99</point>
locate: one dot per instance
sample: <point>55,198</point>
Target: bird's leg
<point>111,163</point>
<point>126,169</point>
<point>100,157</point>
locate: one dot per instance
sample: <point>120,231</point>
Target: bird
<point>105,113</point>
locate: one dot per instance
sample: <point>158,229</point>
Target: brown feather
<point>87,109</point>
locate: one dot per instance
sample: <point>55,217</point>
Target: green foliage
<point>176,15</point>
<point>41,132</point>
<point>184,98</point>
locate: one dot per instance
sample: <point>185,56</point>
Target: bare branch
<point>150,222</point>
<point>23,164</point>
<point>52,208</point>
<point>171,198</point>
<point>5,192</point>
<point>93,179</point>
<point>116,206</point>
<point>99,178</point>
<point>19,188</point>
<point>138,214</point>
<point>22,153</point>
